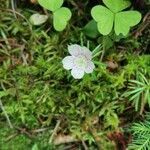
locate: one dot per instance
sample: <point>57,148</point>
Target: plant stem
<point>5,113</point>
<point>142,104</point>
<point>103,52</point>
<point>13,8</point>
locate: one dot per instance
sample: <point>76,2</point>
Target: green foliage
<point>12,139</point>
<point>61,15</point>
<point>117,5</point>
<point>36,91</point>
<point>106,18</point>
<point>90,29</point>
<point>51,5</point>
<point>139,92</point>
<point>141,135</point>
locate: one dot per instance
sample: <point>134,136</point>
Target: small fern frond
<point>141,128</point>
<point>140,144</point>
<point>141,135</point>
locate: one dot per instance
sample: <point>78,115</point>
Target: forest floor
<point>42,107</point>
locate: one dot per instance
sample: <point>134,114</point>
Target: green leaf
<point>104,17</point>
<point>37,19</point>
<point>117,5</point>
<point>60,18</point>
<point>122,21</point>
<point>135,96</point>
<point>125,20</point>
<point>137,82</point>
<point>51,5</point>
<point>3,93</point>
<point>147,96</point>
<point>112,120</point>
<point>107,42</point>
<point>136,90</point>
<point>91,29</point>
<point>35,147</point>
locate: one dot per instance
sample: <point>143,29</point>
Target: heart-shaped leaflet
<point>51,5</point>
<point>126,19</point>
<point>104,18</point>
<point>117,5</point>
<point>60,18</point>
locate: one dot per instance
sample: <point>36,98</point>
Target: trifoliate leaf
<point>37,19</point>
<point>125,20</point>
<point>51,5</point>
<point>117,5</point>
<point>122,21</point>
<point>60,18</point>
<point>104,17</point>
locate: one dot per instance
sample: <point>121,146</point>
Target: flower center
<point>80,61</point>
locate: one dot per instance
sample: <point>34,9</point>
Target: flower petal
<point>75,49</point>
<point>90,67</point>
<point>87,53</point>
<point>68,62</point>
<point>77,73</point>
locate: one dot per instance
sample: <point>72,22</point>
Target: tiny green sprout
<point>113,16</point>
<point>61,15</point>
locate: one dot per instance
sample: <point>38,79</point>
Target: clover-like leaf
<point>104,17</point>
<point>61,18</point>
<point>38,19</point>
<point>117,5</point>
<point>125,20</point>
<point>51,5</point>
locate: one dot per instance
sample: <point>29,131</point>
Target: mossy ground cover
<point>46,106</point>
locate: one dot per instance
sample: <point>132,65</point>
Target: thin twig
<point>144,25</point>
<point>11,137</point>
<point>84,145</point>
<point>54,131</point>
<point>25,131</point>
<point>102,55</point>
<point>5,113</point>
<point>39,130</point>
<point>64,139</point>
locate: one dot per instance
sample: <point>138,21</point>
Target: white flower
<point>80,61</point>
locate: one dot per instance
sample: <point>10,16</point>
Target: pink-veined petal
<point>75,49</point>
<point>90,67</point>
<point>68,62</point>
<point>87,53</point>
<point>77,73</point>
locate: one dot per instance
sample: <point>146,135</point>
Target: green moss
<point>41,91</point>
